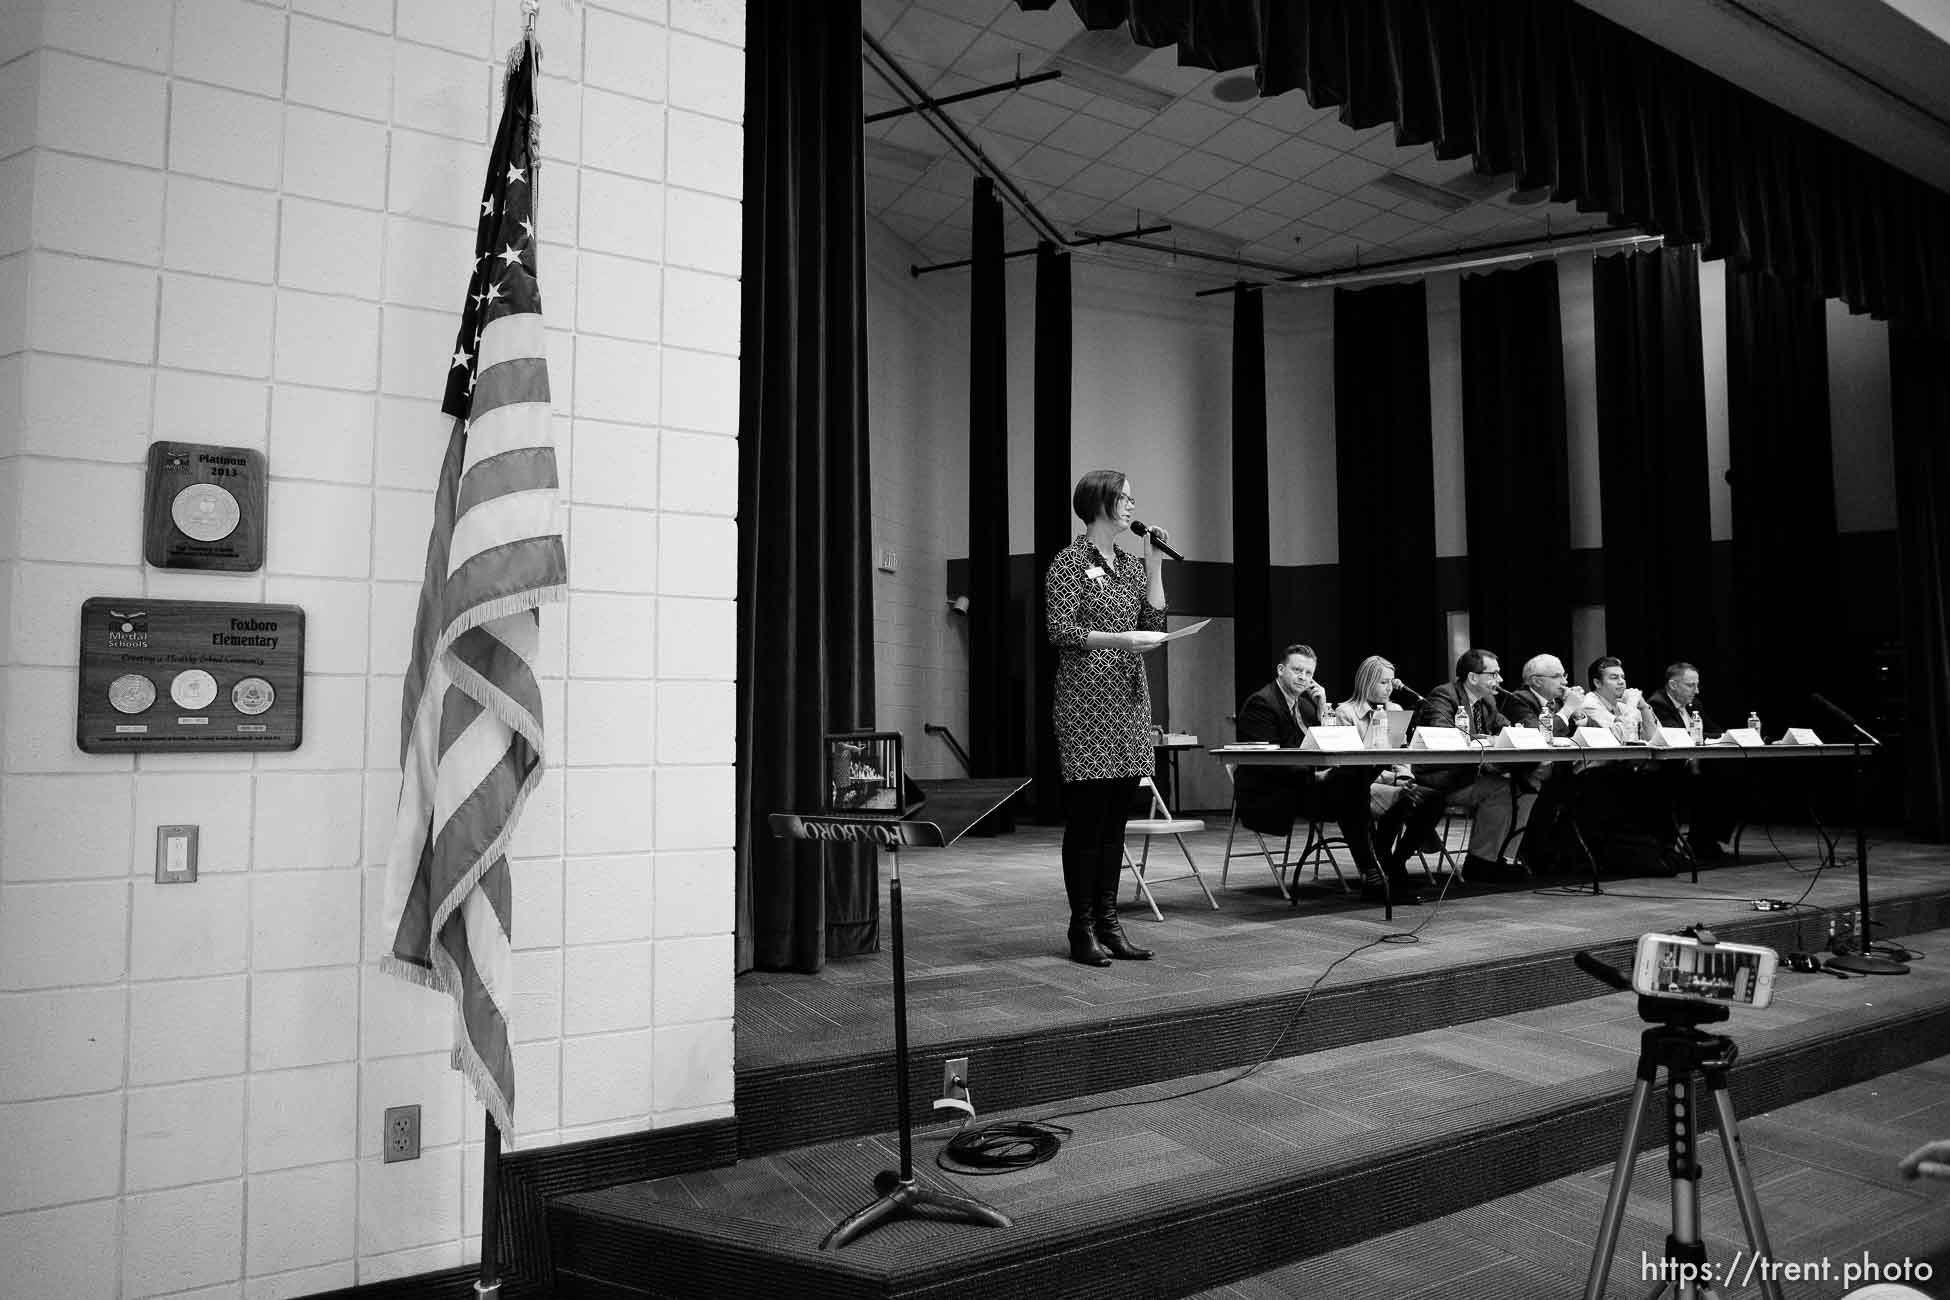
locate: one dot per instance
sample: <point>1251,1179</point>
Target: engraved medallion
<point>205,512</point>
<point>252,696</point>
<point>131,693</point>
<point>193,689</point>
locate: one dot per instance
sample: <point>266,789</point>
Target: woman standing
<point>1106,608</point>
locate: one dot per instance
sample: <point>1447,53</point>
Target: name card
<point>1594,738</point>
<point>1671,738</point>
<point>1439,738</point>
<point>1522,738</point>
<point>1799,736</point>
<point>1743,736</point>
<point>1332,739</point>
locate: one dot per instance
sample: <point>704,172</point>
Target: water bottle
<point>1377,726</point>
<point>1696,728</point>
<point>1753,723</point>
<point>1462,719</point>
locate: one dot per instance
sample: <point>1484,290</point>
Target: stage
<point>1423,1078</point>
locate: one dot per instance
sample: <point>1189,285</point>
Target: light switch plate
<point>176,855</point>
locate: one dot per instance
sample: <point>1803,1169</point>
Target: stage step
<point>1838,1216</point>
<point>1486,957</point>
<point>1351,1129</point>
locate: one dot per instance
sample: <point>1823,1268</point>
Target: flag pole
<point>488,1285</point>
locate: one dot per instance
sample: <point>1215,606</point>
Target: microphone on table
<point>1413,694</point>
<point>1842,714</point>
<point>1141,529</point>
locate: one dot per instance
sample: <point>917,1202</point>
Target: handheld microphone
<point>1140,529</point>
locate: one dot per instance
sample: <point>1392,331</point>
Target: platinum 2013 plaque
<point>205,507</point>
<point>188,675</point>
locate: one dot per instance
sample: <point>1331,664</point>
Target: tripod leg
<point>1621,1188</point>
<point>1743,1181</point>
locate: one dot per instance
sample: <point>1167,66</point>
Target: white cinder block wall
<point>249,222</point>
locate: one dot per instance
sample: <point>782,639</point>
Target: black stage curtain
<point>1786,556</point>
<point>1652,461</point>
<point>805,609</point>
<point>1919,390</point>
<point>1385,480</point>
<point>1600,116</point>
<point>1516,476</point>
<point>1055,523</point>
<point>1252,561</point>
<point>995,741</point>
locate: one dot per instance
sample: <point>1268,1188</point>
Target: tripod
<point>1696,1065</point>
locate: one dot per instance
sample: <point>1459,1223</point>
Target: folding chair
<point>1161,822</point>
<point>1317,845</point>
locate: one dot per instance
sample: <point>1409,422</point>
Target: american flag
<point>471,719</point>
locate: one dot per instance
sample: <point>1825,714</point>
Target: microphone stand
<point>1866,961</point>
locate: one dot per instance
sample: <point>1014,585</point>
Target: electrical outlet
<point>954,1077</point>
<point>402,1140</point>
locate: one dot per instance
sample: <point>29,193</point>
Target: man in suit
<point>1272,799</point>
<point>1544,700</point>
<point>1487,791</point>
<point>1701,793</point>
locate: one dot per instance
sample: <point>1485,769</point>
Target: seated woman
<point>1397,811</point>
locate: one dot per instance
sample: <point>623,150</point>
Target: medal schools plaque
<point>205,507</point>
<point>179,676</point>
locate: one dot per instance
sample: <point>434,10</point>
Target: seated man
<point>1626,810</point>
<point>1487,791</point>
<point>1546,702</point>
<point>1702,794</point>
<point>1271,799</point>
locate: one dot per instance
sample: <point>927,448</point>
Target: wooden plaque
<point>204,508</point>
<point>180,676</point>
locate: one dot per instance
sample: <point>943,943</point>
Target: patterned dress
<point>1103,703</point>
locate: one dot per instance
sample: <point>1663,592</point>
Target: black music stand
<point>1866,961</point>
<point>952,807</point>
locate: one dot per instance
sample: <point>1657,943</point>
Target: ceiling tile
<point>1245,140</point>
<point>1483,216</point>
<point>931,38</point>
<point>1248,185</point>
<point>1068,208</point>
<point>1251,224</point>
<point>1296,158</point>
<point>1197,170</point>
<point>1105,181</point>
<point>1297,199</point>
<point>1055,92</point>
<point>1092,137</point>
<point>1154,196</point>
<point>1345,174</point>
<point>1188,123</point>
<point>1023,117</point>
<point>1341,214</point>
<point>1144,154</point>
<point>1050,166</point>
<point>1289,112</point>
<point>1386,200</point>
<point>1119,112</point>
<point>1207,211</point>
<point>926,205</point>
<point>1385,228</point>
<point>1160,68</point>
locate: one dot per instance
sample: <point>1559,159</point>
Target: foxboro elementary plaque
<point>180,676</point>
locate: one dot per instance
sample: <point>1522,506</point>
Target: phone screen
<point>1718,974</point>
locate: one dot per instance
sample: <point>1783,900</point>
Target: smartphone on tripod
<point>1681,966</point>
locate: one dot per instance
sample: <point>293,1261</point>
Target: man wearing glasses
<point>1486,791</point>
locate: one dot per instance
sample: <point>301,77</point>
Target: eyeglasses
<point>1127,499</point>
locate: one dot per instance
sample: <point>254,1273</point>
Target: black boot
<point>1079,883</point>
<point>1110,931</point>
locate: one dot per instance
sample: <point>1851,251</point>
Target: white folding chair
<point>1161,822</point>
<point>1319,844</point>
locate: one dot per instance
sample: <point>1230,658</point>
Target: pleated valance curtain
<point>1604,118</point>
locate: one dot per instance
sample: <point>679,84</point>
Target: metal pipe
<point>1025,252</point>
<point>943,101</point>
<point>1517,250</point>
